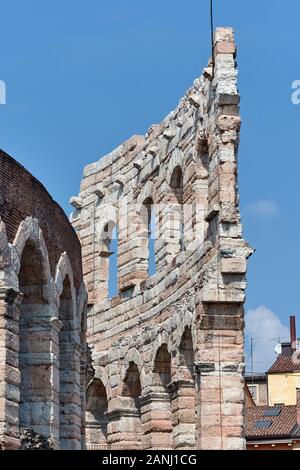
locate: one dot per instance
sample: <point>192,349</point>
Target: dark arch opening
<point>35,362</point>
<point>176,184</point>
<point>149,222</point>
<point>162,431</point>
<point>96,415</point>
<point>69,372</point>
<point>187,352</point>
<point>132,390</point>
<point>132,384</point>
<point>111,233</point>
<point>184,398</point>
<point>162,367</point>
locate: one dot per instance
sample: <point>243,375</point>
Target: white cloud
<point>263,208</point>
<point>264,325</point>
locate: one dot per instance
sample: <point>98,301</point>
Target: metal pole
<point>252,370</point>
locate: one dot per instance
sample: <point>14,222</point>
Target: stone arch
<point>148,191</point>
<point>162,368</point>
<point>64,269</point>
<point>162,338</point>
<point>6,259</point>
<point>131,386</point>
<point>186,354</point>
<point>173,226</point>
<point>134,356</point>
<point>96,414</point>
<point>176,161</point>
<point>158,418</point>
<point>102,263</point>
<point>146,221</point>
<point>109,216</point>
<point>69,357</point>
<point>185,320</point>
<point>184,394</point>
<point>101,374</point>
<point>131,402</point>
<point>29,231</point>
<point>35,330</point>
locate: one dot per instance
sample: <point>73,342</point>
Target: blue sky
<point>84,76</point>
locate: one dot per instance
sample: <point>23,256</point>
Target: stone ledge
<point>233,266</point>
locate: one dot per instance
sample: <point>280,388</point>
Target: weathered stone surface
<point>147,339</point>
<point>42,319</point>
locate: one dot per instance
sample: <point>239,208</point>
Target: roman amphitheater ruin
<point>42,318</point>
<point>164,364</point>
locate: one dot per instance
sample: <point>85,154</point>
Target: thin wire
<point>94,269</point>
<point>212,30</point>
<point>261,338</point>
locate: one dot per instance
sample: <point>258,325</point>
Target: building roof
<point>256,377</point>
<point>260,425</point>
<point>283,364</point>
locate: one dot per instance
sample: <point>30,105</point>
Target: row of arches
<point>161,414</point>
<point>50,318</point>
<point>149,230</point>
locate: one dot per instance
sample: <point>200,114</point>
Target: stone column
<point>183,414</point>
<point>220,401</point>
<point>124,424</point>
<point>70,396</point>
<point>156,420</point>
<point>40,382</point>
<point>9,372</point>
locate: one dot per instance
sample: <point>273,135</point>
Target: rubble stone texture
<point>42,318</point>
<point>168,350</point>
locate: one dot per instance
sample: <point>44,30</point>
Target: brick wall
<point>22,195</point>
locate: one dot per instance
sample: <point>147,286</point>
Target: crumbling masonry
<point>42,318</point>
<point>164,366</point>
<point>167,352</point>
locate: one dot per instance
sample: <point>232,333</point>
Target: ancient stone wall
<point>42,318</point>
<point>168,349</point>
<point>21,196</point>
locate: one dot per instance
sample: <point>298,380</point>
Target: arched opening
<point>162,368</point>
<point>200,223</point>
<point>187,355</point>
<point>177,216</point>
<point>149,234</point>
<point>69,373</point>
<point>132,391</point>
<point>159,416</point>
<point>113,289</point>
<point>96,416</point>
<point>183,400</point>
<point>109,261</point>
<point>35,363</point>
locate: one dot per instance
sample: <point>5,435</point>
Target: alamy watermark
<point>296,92</point>
<point>2,92</point>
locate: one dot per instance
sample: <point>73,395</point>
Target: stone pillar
<point>220,401</point>
<point>39,353</point>
<point>70,397</point>
<point>9,372</point>
<point>156,420</point>
<point>124,424</point>
<point>183,414</point>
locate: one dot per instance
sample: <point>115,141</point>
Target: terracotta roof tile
<point>283,425</point>
<point>283,364</point>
